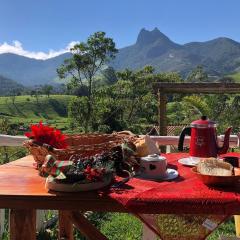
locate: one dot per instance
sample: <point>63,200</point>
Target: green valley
<point>235,76</point>
<point>31,109</point>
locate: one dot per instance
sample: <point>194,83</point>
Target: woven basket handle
<point>38,144</point>
<point>126,133</point>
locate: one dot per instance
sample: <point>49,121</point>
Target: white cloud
<point>17,48</point>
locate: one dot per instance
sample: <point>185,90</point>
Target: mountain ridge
<point>218,56</point>
<point>29,71</point>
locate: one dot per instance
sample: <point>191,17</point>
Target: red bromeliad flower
<point>45,134</point>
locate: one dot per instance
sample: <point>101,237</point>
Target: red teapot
<point>203,141</point>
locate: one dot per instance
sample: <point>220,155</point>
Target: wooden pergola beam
<point>162,88</point>
<point>216,88</point>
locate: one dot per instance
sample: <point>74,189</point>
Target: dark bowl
<point>217,180</point>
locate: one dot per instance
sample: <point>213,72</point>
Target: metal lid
<point>204,122</point>
<point>153,158</point>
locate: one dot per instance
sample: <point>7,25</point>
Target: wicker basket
<point>82,144</point>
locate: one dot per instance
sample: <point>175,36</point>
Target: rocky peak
<point>146,37</point>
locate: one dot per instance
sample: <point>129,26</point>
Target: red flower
<point>45,134</point>
<point>93,174</point>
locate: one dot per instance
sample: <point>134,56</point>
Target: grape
<point>86,163</point>
<point>73,175</point>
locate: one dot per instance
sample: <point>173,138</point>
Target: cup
<point>234,161</point>
<point>153,166</point>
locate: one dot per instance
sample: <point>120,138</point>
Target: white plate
<point>189,161</point>
<point>51,184</point>
<point>171,174</point>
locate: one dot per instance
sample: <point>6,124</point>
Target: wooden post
<point>2,221</point>
<point>22,224</point>
<point>162,111</point>
<point>65,225</point>
<point>85,227</point>
<point>159,115</point>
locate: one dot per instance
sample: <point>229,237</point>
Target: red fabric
<point>183,195</point>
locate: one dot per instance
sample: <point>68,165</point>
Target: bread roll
<point>146,146</point>
<point>214,167</point>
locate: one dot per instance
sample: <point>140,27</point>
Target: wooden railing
<point>14,141</point>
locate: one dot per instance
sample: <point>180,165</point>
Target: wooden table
<point>22,190</point>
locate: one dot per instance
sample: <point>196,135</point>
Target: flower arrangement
<point>47,135</point>
<point>79,169</point>
<point>86,162</point>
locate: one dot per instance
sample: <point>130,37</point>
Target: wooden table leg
<point>86,228</point>
<point>237,224</point>
<point>147,233</point>
<point>22,224</point>
<point>65,225</point>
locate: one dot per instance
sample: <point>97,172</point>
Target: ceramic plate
<point>51,184</point>
<point>171,174</point>
<point>189,161</point>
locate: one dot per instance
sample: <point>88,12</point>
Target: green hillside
<point>8,86</point>
<point>27,109</point>
<point>235,76</point>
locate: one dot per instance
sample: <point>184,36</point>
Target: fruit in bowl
<point>82,173</point>
<point>78,173</point>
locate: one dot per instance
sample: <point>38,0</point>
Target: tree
<point>13,98</point>
<point>197,75</point>
<point>88,59</point>
<point>137,85</point>
<point>47,89</point>
<point>36,95</point>
<point>13,95</point>
<point>109,75</point>
<point>129,103</point>
<point>32,93</point>
<point>226,80</point>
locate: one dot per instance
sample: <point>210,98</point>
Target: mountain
<point>8,86</point>
<point>219,57</point>
<point>29,71</point>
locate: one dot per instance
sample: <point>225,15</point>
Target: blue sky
<point>38,26</point>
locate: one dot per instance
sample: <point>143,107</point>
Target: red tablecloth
<point>181,209</point>
<point>185,194</point>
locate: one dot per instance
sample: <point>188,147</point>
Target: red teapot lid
<point>204,122</point>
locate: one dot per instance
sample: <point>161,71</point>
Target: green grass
<point>235,76</point>
<point>122,227</point>
<point>27,109</point>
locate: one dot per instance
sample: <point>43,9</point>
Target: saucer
<point>189,161</point>
<point>52,184</point>
<point>170,174</point>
